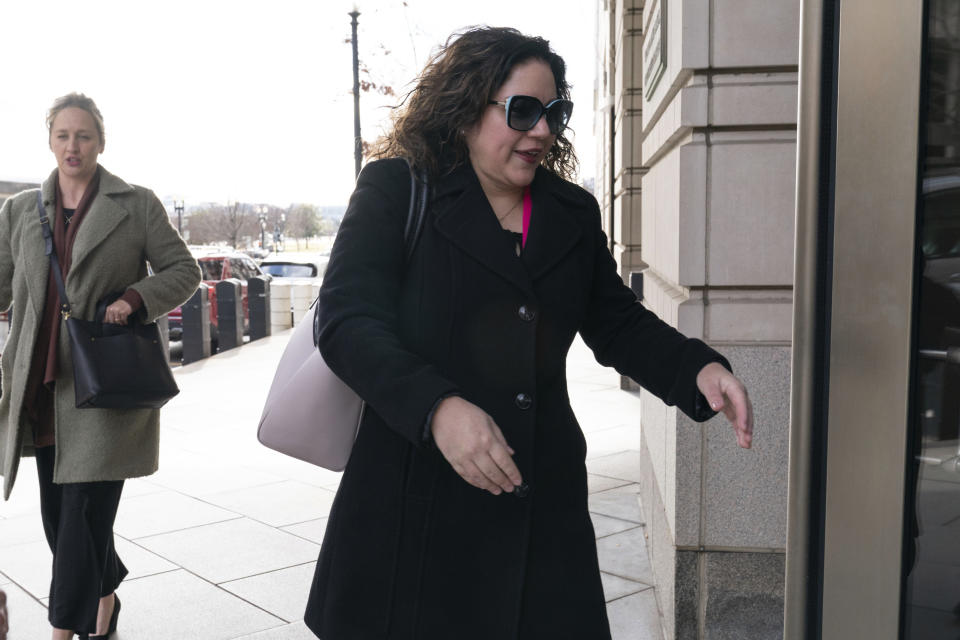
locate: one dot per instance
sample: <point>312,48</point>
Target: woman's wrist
<point>132,298</point>
<point>428,424</point>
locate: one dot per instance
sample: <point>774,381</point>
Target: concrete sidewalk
<point>221,543</point>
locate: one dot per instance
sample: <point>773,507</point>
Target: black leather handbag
<point>114,366</point>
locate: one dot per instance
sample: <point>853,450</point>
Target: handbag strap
<point>416,213</point>
<point>54,262</point>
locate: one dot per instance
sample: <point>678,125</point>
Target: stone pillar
<point>617,127</point>
<point>714,85</point>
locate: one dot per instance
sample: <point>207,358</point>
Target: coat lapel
<point>554,229</point>
<point>463,215</point>
<point>104,215</point>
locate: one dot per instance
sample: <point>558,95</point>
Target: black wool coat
<point>412,551</point>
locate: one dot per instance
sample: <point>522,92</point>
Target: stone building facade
<point>696,104</point>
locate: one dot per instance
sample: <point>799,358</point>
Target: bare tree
<point>222,223</point>
<point>239,219</point>
<point>303,221</point>
<point>329,225</point>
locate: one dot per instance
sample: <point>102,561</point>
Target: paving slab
<point>277,504</point>
<point>620,502</point>
<point>635,617</point>
<point>294,631</point>
<point>163,512</point>
<point>25,497</point>
<point>597,483</point>
<point>27,618</point>
<point>237,429</point>
<point>181,605</point>
<point>311,530</point>
<point>625,555</point>
<point>200,474</point>
<point>231,550</point>
<point>600,413</point>
<point>607,441</point>
<point>28,565</point>
<point>283,593</point>
<point>615,587</point>
<point>604,526</point>
<point>140,487</point>
<point>292,468</point>
<point>21,530</point>
<point>139,561</point>
<point>623,465</point>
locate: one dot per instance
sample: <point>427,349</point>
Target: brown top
<point>43,365</point>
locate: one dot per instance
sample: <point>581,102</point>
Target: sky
<point>213,101</point>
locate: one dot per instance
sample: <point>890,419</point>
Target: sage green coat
<point>125,227</point>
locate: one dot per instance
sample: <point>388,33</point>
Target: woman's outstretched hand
<point>727,394</point>
<point>474,446</point>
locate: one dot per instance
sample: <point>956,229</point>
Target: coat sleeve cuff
<point>132,298</point>
<point>700,410</point>
<point>428,423</point>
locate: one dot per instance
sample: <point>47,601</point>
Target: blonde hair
<point>79,101</point>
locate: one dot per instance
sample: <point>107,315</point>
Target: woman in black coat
<point>462,512</point>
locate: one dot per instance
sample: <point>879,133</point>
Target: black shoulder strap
<point>54,262</point>
<point>416,213</point>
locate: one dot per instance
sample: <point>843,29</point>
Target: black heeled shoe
<point>113,621</point>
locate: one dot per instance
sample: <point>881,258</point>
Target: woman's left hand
<point>727,394</point>
<point>117,312</point>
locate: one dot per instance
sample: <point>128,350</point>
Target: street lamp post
<point>357,146</point>
<point>178,207</point>
<point>262,216</point>
<point>278,228</point>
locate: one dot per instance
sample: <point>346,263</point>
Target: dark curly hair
<point>454,89</point>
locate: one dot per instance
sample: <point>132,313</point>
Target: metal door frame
<point>845,536</point>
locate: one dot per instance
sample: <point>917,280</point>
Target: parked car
<point>295,266</point>
<point>256,253</point>
<point>217,266</point>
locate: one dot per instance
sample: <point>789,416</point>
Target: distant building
<point>8,189</point>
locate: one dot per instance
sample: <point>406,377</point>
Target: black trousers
<point>78,522</point>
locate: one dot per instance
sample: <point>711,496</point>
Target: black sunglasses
<point>523,113</point>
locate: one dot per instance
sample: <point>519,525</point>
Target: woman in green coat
<point>105,231</point>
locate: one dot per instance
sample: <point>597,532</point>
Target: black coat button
<point>523,401</point>
<point>521,490</point>
<point>526,313</point>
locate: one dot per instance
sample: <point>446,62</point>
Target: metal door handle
<point>951,355</point>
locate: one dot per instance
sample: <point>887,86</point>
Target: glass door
<point>932,530</point>
<point>859,386</point>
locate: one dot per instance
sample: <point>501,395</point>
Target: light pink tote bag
<point>310,413</point>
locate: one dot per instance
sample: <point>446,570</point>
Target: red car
<point>216,267</point>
